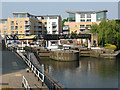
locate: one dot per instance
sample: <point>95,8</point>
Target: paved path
<point>13,68</point>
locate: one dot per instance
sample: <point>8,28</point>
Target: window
<point>0,32</point>
<point>12,27</point>
<point>20,22</point>
<point>82,20</point>
<point>12,22</point>
<point>75,25</point>
<point>88,20</point>
<point>82,26</point>
<point>20,26</point>
<point>53,22</point>
<point>88,15</point>
<point>45,22</point>
<point>20,15</point>
<point>71,17</point>
<point>3,21</point>
<point>100,16</point>
<point>45,18</point>
<point>5,32</point>
<point>53,17</point>
<point>5,27</point>
<point>82,15</point>
<point>16,27</point>
<point>20,31</point>
<point>16,32</point>
<point>88,26</point>
<point>26,22</point>
<point>16,22</point>
<point>12,32</point>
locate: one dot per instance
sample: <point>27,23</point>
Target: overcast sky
<point>58,8</point>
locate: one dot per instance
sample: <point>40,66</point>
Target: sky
<point>58,8</point>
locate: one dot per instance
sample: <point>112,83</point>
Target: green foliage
<point>73,32</point>
<point>108,32</point>
<point>64,20</point>
<point>112,47</point>
<point>7,88</point>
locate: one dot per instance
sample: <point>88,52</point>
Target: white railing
<point>65,28</point>
<point>25,83</point>
<point>82,28</point>
<point>27,23</point>
<point>32,67</point>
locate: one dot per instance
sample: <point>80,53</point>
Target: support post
<point>27,43</point>
<point>22,45</point>
<point>89,44</point>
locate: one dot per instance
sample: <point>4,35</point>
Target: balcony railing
<point>38,24</point>
<point>27,28</point>
<point>54,29</point>
<point>82,28</point>
<point>54,24</point>
<point>27,33</point>
<point>65,28</point>
<point>27,23</point>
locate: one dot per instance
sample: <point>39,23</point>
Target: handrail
<point>41,74</point>
<point>25,83</point>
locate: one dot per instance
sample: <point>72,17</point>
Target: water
<point>85,73</point>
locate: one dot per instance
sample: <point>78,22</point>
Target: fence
<point>25,83</point>
<point>34,65</point>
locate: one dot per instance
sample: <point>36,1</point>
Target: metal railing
<point>38,70</point>
<point>32,67</point>
<point>25,83</point>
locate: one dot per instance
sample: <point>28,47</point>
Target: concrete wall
<point>64,55</point>
<point>94,37</point>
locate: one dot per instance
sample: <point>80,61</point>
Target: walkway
<point>13,68</point>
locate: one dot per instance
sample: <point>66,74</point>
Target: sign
<point>20,37</point>
<point>26,37</point>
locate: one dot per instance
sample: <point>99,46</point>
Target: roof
<point>23,13</point>
<point>49,16</point>
<point>20,12</point>
<point>87,11</point>
<point>3,19</point>
<point>36,15</point>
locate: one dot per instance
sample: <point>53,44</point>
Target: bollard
<point>43,68</point>
<point>47,70</point>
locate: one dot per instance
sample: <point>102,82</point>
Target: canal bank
<point>13,70</point>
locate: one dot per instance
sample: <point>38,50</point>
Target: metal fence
<point>38,70</point>
<point>25,83</point>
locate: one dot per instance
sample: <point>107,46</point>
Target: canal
<point>85,73</point>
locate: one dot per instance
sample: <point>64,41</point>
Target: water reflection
<point>86,73</point>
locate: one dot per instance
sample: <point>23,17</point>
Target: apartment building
<point>80,22</point>
<point>25,23</point>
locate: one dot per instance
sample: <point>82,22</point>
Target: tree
<point>73,32</point>
<point>108,32</point>
<point>94,28</point>
<point>64,20</point>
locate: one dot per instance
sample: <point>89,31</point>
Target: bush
<point>7,88</point>
<point>109,46</point>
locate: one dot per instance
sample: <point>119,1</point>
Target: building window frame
<point>82,15</point>
<point>12,27</point>
<point>12,22</point>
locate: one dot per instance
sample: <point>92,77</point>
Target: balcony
<point>27,33</point>
<point>54,24</point>
<point>38,29</point>
<point>82,28</point>
<point>27,28</point>
<point>54,29</point>
<point>38,24</point>
<point>27,23</point>
<point>65,28</point>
